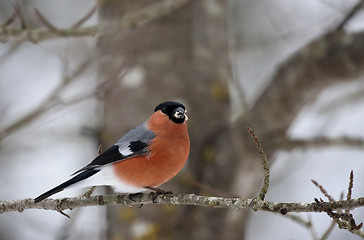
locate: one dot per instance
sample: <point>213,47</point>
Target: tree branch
<point>178,199</point>
<point>19,13</point>
<point>47,23</point>
<point>304,223</point>
<point>319,142</point>
<point>333,208</point>
<point>9,20</point>
<point>349,15</point>
<point>130,21</point>
<point>52,100</point>
<point>328,231</point>
<point>344,220</point>
<point>324,192</point>
<point>351,185</point>
<point>84,18</point>
<point>264,159</point>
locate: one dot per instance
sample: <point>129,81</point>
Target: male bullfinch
<point>144,158</point>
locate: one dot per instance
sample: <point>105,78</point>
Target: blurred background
<point>291,70</point>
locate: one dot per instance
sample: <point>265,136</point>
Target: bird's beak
<point>186,117</point>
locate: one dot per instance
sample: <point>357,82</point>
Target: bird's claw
<point>156,192</point>
<point>131,196</point>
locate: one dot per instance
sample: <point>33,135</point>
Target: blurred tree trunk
<point>182,56</point>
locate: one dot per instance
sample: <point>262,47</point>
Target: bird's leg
<point>156,192</point>
<point>131,196</point>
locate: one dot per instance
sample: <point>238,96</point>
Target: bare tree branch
<point>19,13</point>
<point>132,20</point>
<point>324,192</point>
<point>308,224</point>
<point>84,18</point>
<point>264,159</point>
<point>52,100</point>
<point>305,223</point>
<point>332,224</point>
<point>344,220</point>
<point>9,20</point>
<point>178,199</point>
<point>318,142</point>
<point>328,231</point>
<point>47,23</point>
<point>351,185</point>
<point>349,15</point>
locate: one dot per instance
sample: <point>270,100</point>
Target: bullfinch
<point>144,158</point>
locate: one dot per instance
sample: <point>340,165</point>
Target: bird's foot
<point>132,197</point>
<point>156,192</point>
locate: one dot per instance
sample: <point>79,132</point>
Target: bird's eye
<point>179,113</point>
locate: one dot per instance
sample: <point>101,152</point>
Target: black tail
<point>77,178</point>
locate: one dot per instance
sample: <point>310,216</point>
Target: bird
<point>143,159</point>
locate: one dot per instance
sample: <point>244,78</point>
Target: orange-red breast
<point>144,158</point>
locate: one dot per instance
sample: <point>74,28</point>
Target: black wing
<point>134,143</point>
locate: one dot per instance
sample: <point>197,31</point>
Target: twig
<point>151,12</point>
<point>84,18</point>
<point>41,34</point>
<point>9,20</point>
<point>332,224</point>
<point>327,195</point>
<point>328,230</point>
<point>130,21</point>
<point>307,224</point>
<point>88,193</point>
<point>64,214</point>
<point>264,159</point>
<point>319,142</point>
<point>351,184</point>
<point>51,101</point>
<point>54,98</point>
<point>349,15</point>
<point>344,220</point>
<point>350,188</point>
<point>298,219</point>
<point>18,12</point>
<point>43,20</point>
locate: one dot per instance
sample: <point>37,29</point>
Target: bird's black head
<point>174,110</point>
